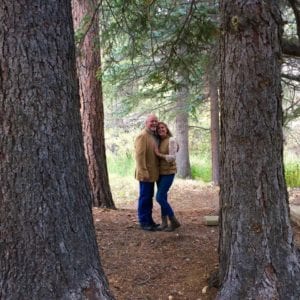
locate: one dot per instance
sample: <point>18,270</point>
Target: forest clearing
<point>163,265</point>
<point>224,75</point>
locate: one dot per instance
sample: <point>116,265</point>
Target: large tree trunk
<point>48,244</point>
<point>258,258</point>
<point>85,18</point>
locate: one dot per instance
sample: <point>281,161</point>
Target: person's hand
<point>156,151</point>
<point>170,158</point>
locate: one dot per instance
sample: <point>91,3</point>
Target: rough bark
<point>91,99</point>
<point>182,120</point>
<point>258,258</point>
<point>291,48</point>
<point>182,136</point>
<point>48,243</point>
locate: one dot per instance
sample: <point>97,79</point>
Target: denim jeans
<point>163,185</point>
<point>145,203</point>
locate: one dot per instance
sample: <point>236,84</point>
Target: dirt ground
<point>164,265</point>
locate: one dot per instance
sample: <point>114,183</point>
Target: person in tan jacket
<point>146,172</point>
<point>167,169</point>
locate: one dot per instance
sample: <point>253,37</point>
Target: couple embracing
<point>155,162</point>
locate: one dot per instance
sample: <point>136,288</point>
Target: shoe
<point>148,227</point>
<point>164,223</point>
<point>155,225</point>
<point>174,224</point>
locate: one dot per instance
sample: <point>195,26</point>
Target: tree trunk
<point>258,258</point>
<point>48,243</point>
<point>214,125</point>
<point>182,135</point>
<point>182,121</point>
<point>85,18</point>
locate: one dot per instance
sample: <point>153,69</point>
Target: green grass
<point>124,166</point>
<point>202,172</point>
<point>124,189</point>
<point>121,165</point>
<point>201,168</point>
<point>292,174</point>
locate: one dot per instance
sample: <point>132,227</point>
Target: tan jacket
<point>146,159</point>
<point>166,168</point>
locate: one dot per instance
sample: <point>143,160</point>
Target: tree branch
<point>291,76</point>
<point>291,48</point>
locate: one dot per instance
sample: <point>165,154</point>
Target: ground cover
<point>162,265</point>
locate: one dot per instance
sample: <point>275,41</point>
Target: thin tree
<point>214,123</point>
<point>182,135</point>
<point>86,22</point>
<point>258,258</point>
<point>48,242</point>
<point>212,72</point>
<point>182,123</point>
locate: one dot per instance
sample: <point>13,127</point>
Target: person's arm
<point>140,156</point>
<point>156,150</point>
<point>173,146</point>
<point>167,157</point>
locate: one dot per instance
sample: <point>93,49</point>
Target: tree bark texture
<point>258,258</point>
<point>85,18</point>
<point>182,135</point>
<point>182,121</point>
<point>48,243</point>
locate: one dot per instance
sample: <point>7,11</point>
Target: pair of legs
<point>145,204</point>
<point>163,185</point>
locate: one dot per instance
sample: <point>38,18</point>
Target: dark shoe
<point>174,224</point>
<point>147,227</point>
<point>155,226</point>
<point>164,223</point>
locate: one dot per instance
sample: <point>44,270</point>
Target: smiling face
<point>162,130</point>
<point>151,123</point>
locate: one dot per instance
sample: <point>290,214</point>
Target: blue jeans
<point>145,203</point>
<point>163,185</point>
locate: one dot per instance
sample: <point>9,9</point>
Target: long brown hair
<point>169,133</point>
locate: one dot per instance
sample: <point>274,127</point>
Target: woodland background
<point>77,79</point>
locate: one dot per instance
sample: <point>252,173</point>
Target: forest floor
<point>175,265</point>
